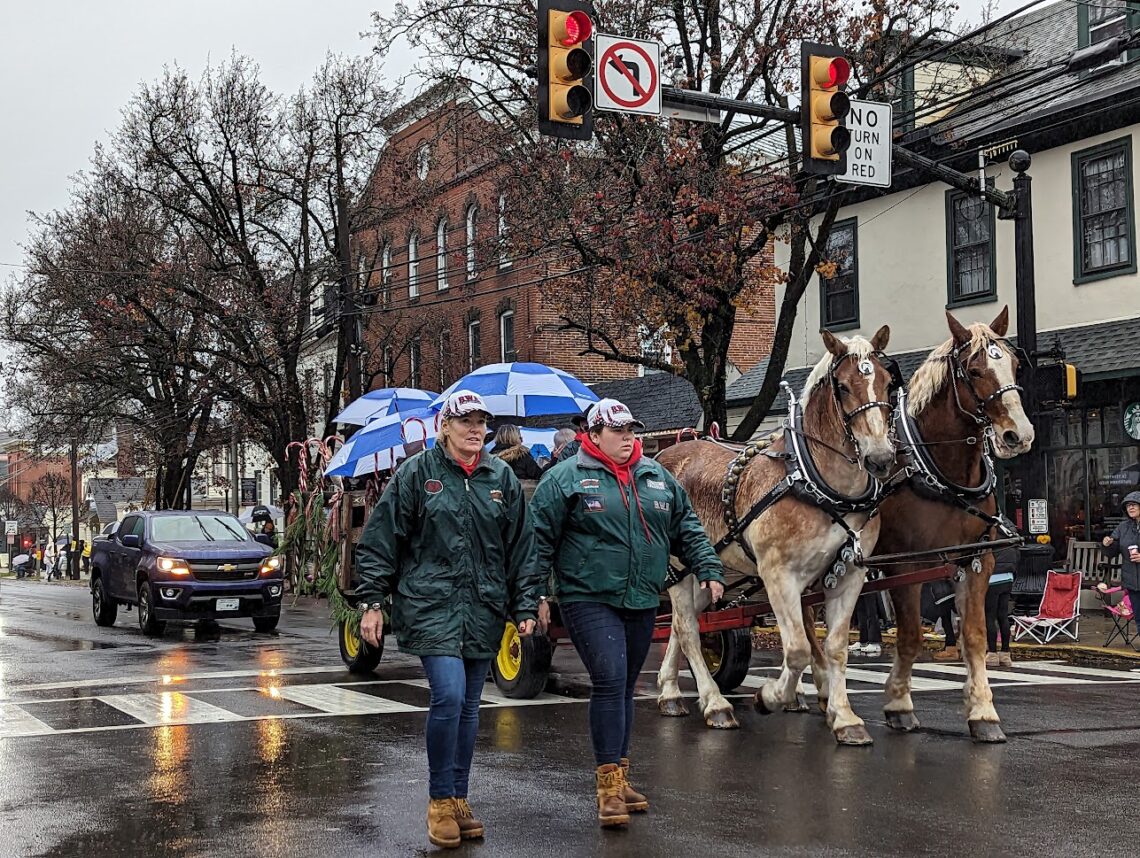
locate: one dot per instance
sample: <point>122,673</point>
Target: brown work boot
<point>470,828</point>
<point>611,805</point>
<point>1005,659</point>
<point>950,653</point>
<point>635,802</point>
<point>443,830</point>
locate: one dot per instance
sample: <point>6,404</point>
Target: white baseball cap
<point>610,412</point>
<point>463,402</point>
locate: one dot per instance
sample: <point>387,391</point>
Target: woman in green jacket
<point>451,543</point>
<point>606,521</point>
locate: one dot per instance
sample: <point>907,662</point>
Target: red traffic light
<point>578,28</point>
<point>840,71</point>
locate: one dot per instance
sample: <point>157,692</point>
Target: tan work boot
<point>470,828</point>
<point>950,653</point>
<point>1005,659</point>
<point>611,805</point>
<point>635,802</point>
<point>443,830</point>
<point>992,660</point>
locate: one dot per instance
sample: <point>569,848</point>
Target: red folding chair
<point>1059,613</point>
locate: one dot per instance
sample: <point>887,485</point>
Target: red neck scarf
<point>467,469</point>
<point>623,473</point>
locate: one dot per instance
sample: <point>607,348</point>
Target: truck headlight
<point>173,566</point>
<point>270,564</point>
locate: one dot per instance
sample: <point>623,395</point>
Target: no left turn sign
<point>627,78</point>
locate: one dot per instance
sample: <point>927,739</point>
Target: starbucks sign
<point>1132,421</point>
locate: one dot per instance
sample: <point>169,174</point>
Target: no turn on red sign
<point>627,78</point>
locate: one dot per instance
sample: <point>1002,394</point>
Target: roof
<point>663,402</point>
<point>117,489</point>
<point>105,510</point>
<point>1103,349</point>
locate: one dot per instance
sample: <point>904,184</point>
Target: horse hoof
<point>989,732</point>
<point>673,708</point>
<point>904,722</point>
<point>822,704</point>
<point>855,734</point>
<point>801,705</point>
<point>722,719</point>
<point>760,705</point>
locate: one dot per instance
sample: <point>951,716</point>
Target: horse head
<point>861,383</point>
<point>984,368</point>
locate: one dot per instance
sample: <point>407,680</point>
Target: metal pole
<point>236,477</point>
<point>73,566</point>
<point>1033,485</point>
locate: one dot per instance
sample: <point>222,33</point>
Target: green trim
<point>1130,23</point>
<point>843,324</point>
<point>983,298</point>
<point>1079,274</point>
<point>908,94</point>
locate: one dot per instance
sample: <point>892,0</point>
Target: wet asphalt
<point>273,777</point>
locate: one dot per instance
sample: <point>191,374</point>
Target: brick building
<point>442,291</point>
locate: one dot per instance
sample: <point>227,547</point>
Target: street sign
<point>1132,421</point>
<point>869,158</point>
<point>627,78</point>
<point>1038,515</point>
<point>11,526</point>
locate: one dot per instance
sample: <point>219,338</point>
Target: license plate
<point>228,604</point>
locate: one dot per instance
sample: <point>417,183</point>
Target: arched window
<point>507,351</point>
<point>441,254</point>
<point>504,258</point>
<point>472,219</point>
<point>423,161</point>
<point>413,266</point>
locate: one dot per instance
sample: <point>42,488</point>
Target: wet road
<point>233,743</point>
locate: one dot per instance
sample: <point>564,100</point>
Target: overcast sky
<point>67,67</point>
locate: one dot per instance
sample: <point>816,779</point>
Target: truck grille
<point>240,571</point>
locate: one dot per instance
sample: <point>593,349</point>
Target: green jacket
<point>598,547</point>
<point>456,553</point>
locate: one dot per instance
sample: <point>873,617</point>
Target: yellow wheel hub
<point>509,659</point>
<point>352,644</point>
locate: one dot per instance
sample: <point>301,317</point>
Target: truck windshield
<point>198,528</point>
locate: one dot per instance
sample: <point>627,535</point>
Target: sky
<point>67,67</point>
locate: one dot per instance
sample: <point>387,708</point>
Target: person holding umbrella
<point>451,542</point>
<point>606,522</point>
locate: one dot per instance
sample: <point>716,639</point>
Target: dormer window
<point>1106,19</point>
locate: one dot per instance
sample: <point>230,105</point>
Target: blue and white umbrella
<point>387,400</point>
<point>524,390</point>
<point>379,444</point>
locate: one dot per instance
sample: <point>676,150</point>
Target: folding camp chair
<point>1122,616</point>
<point>1059,613</point>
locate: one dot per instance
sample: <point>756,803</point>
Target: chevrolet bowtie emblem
<point>227,567</point>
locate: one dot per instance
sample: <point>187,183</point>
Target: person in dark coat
<point>997,607</point>
<point>509,447</point>
<point>1125,541</point>
<point>570,449</point>
<point>451,542</point>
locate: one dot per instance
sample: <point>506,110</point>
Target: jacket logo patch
<point>433,487</point>
<point>594,503</point>
<point>590,484</point>
<point>496,496</point>
<point>656,484</point>
<point>661,505</point>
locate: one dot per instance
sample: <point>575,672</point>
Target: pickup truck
<point>185,565</point>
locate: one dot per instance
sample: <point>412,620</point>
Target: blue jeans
<point>613,644</point>
<point>453,721</point>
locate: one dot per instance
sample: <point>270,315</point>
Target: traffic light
<point>27,542</point>
<point>1057,382</point>
<point>565,69</point>
<point>824,105</point>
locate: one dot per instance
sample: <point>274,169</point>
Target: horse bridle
<point>892,368</point>
<point>959,372</point>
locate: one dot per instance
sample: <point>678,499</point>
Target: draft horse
<point>796,512</point>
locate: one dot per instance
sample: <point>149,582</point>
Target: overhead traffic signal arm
<point>824,104</point>
<point>565,68</point>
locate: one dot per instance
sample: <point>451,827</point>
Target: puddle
<point>67,644</point>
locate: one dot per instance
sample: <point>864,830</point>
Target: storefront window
<point>1113,425</point>
<point>1066,495</point>
<point>1113,473</point>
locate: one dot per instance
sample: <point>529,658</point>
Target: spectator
<point>85,554</point>
<point>562,438</point>
<point>1125,540</point>
<point>869,613</point>
<point>268,535</point>
<point>943,596</point>
<point>997,607</point>
<point>509,447</point>
<point>570,448</point>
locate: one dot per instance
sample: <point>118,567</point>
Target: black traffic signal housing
<point>565,69</point>
<point>1057,382</point>
<point>824,138</point>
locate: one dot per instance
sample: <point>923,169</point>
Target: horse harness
<point>803,479</point>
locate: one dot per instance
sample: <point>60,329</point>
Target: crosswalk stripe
<point>341,701</point>
<point>13,691</point>
<point>1058,667</point>
<point>167,707</point>
<point>14,721</point>
<point>491,694</point>
<point>1006,675</point>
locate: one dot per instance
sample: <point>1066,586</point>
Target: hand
<point>526,628</point>
<point>1107,541</point>
<point>543,617</point>
<point>715,588</point>
<point>372,627</point>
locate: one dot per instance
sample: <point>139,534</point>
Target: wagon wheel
<point>358,656</point>
<point>728,654</point>
<point>522,665</point>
